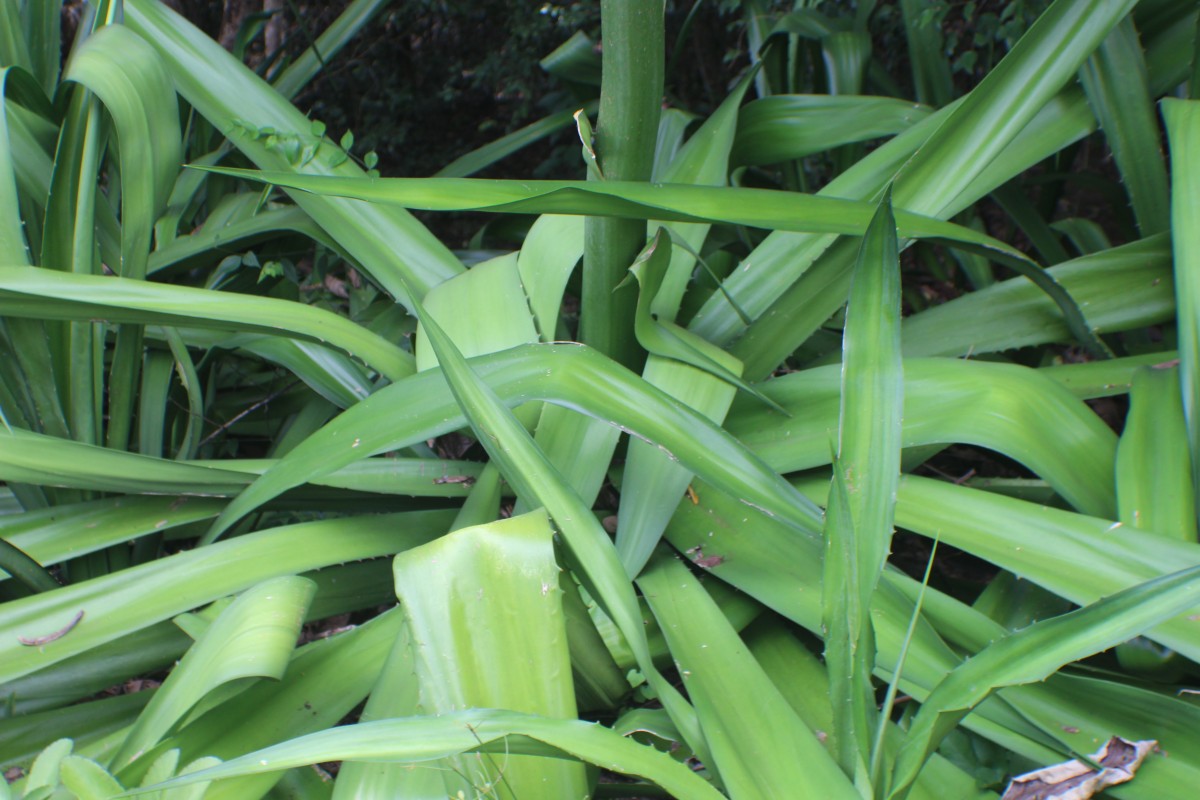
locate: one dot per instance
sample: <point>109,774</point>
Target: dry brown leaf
<point>1074,780</point>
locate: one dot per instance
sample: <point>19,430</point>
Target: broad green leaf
<point>784,127</point>
<point>14,49</point>
<point>57,462</point>
<point>1183,134</point>
<point>485,619</point>
<point>130,79</point>
<point>858,525</point>
<point>1122,288</point>
<point>801,678</point>
<point>65,531</point>
<point>165,767</point>
<point>1033,654</point>
<point>577,59</point>
<point>672,128</point>
<point>42,26</point>
<point>1004,407</point>
<point>326,679</point>
<point>418,739</point>
<point>253,637</point>
<point>87,780</point>
<point>652,478</point>
<point>788,310</point>
<point>135,598</point>
<point>45,767</point>
<point>13,245</point>
<point>781,211</point>
<point>197,790</point>
<point>548,255</point>
<point>1005,101</point>
<point>1106,378</point>
<point>599,681</point>
<point>528,470</point>
<point>48,294</point>
<point>239,233</point>
<point>760,747</point>
<point>927,49</point>
<point>27,571</point>
<point>328,372</point>
<point>563,374</point>
<point>762,208</point>
<point>703,161</point>
<point>650,474</point>
<point>52,690</point>
<point>484,310</point>
<point>125,73</point>
<point>771,564</point>
<point>784,256</point>
<point>580,447</point>
<point>36,458</point>
<point>482,505</point>
<point>1077,557</point>
<point>23,737</point>
<point>394,694</point>
<point>1154,472</point>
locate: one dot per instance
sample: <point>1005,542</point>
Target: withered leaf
<point>1074,780</point>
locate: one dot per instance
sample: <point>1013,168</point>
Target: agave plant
<point>652,541</point>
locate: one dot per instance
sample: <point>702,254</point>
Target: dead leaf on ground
<point>1074,780</point>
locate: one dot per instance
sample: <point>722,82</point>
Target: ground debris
<point>1075,780</point>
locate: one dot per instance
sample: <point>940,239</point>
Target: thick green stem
<point>630,104</point>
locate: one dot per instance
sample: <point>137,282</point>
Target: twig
<point>226,425</point>
<point>38,641</point>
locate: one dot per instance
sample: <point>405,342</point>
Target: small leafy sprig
<point>300,149</point>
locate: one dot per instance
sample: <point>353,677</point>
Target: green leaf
<point>1183,133</point>
<point>1122,288</point>
<point>388,243</point>
<point>784,127</point>
<point>668,340</point>
<point>528,470</point>
<point>1014,410</point>
<point>858,525</point>
<point>45,769</point>
<point>1035,653</point>
<point>419,739</point>
<point>484,310</point>
<point>490,153</point>
<point>253,637</point>
<point>87,780</point>
<point>140,596</point>
<point>761,208</point>
<point>760,747</point>
<point>1116,84</point>
<point>1154,471</point>
<point>48,294</point>
<point>563,374</point>
<point>484,613</point>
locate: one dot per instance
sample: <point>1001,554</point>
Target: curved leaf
<point>49,294</point>
<point>1007,408</point>
<point>568,375</point>
<point>253,637</point>
<point>419,739</point>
